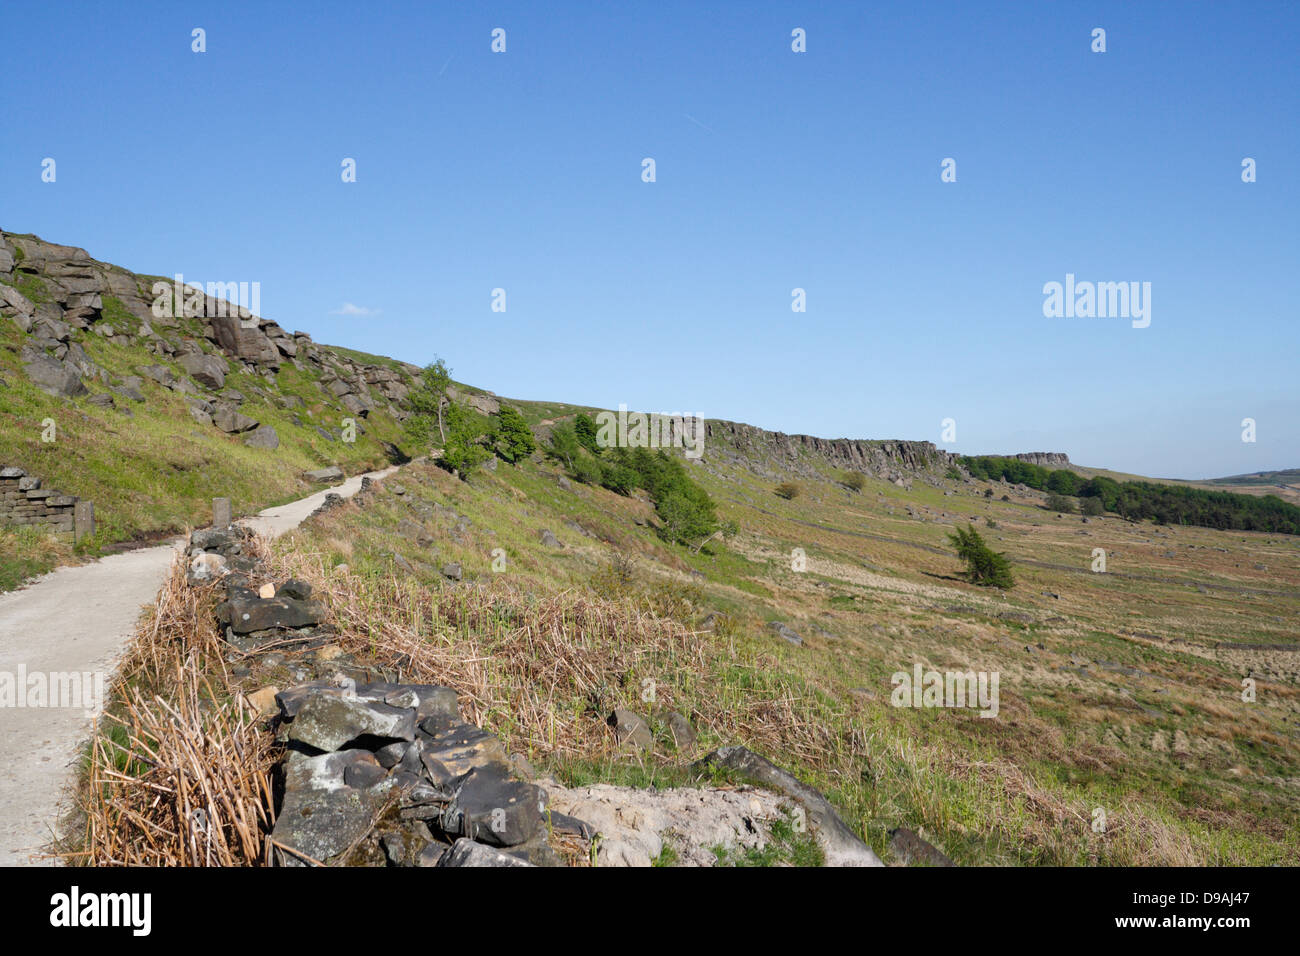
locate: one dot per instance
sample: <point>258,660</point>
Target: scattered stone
<point>630,731</point>
<point>786,633</point>
<point>680,731</point>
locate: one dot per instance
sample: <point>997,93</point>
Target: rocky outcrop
<point>766,451</point>
<point>58,296</point>
<point>1047,459</point>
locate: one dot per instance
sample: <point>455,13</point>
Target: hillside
<point>547,603</point>
<point>150,415</point>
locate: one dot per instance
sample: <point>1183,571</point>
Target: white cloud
<point>351,309</point>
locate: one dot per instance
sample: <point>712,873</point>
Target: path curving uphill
<point>73,621</point>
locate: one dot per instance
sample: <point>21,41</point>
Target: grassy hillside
<point>1120,691</point>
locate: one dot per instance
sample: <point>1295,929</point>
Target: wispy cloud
<point>697,122</point>
<point>351,309</point>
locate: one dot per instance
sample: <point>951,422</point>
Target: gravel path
<point>77,620</point>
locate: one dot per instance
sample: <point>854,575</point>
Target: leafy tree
<point>984,566</point>
<point>855,480</point>
<point>1091,506</point>
<point>462,451</point>
<point>428,400</point>
<point>788,490</point>
<point>687,514</point>
<point>1060,503</point>
<point>513,439</point>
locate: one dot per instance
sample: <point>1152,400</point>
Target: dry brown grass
<point>178,773</point>
<point>544,670</point>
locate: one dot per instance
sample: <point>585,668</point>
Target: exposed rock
<point>207,370</point>
<point>328,721</point>
<point>549,539</point>
<point>245,615</point>
<point>468,853</point>
<point>841,845</point>
<point>680,731</point>
<point>325,475</point>
<point>786,633</point>
<point>230,421</point>
<point>263,437</point>
<point>52,376</point>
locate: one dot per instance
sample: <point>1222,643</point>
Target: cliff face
<point>1047,459</point>
<point>761,449</point>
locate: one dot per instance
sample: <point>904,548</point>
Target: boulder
<point>680,731</point>
<point>263,437</point>
<point>207,370</point>
<point>52,376</point>
<point>247,342</point>
<point>630,730</point>
<point>232,422</point>
<point>548,539</point>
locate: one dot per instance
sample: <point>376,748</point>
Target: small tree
<point>787,490</point>
<point>514,439</point>
<point>564,445</point>
<point>984,566</point>
<point>584,426</point>
<point>1091,506</point>
<point>429,399</point>
<point>855,480</point>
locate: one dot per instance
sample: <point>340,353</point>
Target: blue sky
<point>775,170</point>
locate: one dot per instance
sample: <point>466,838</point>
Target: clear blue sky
<point>775,170</point>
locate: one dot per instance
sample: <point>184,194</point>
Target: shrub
<point>787,490</point>
<point>988,492</point>
<point>584,428</point>
<point>1091,506</point>
<point>1060,503</point>
<point>984,566</point>
<point>855,480</point>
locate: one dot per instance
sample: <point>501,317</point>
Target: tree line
<point>1138,500</point>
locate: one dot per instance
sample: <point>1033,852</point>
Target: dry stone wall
<point>24,502</point>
